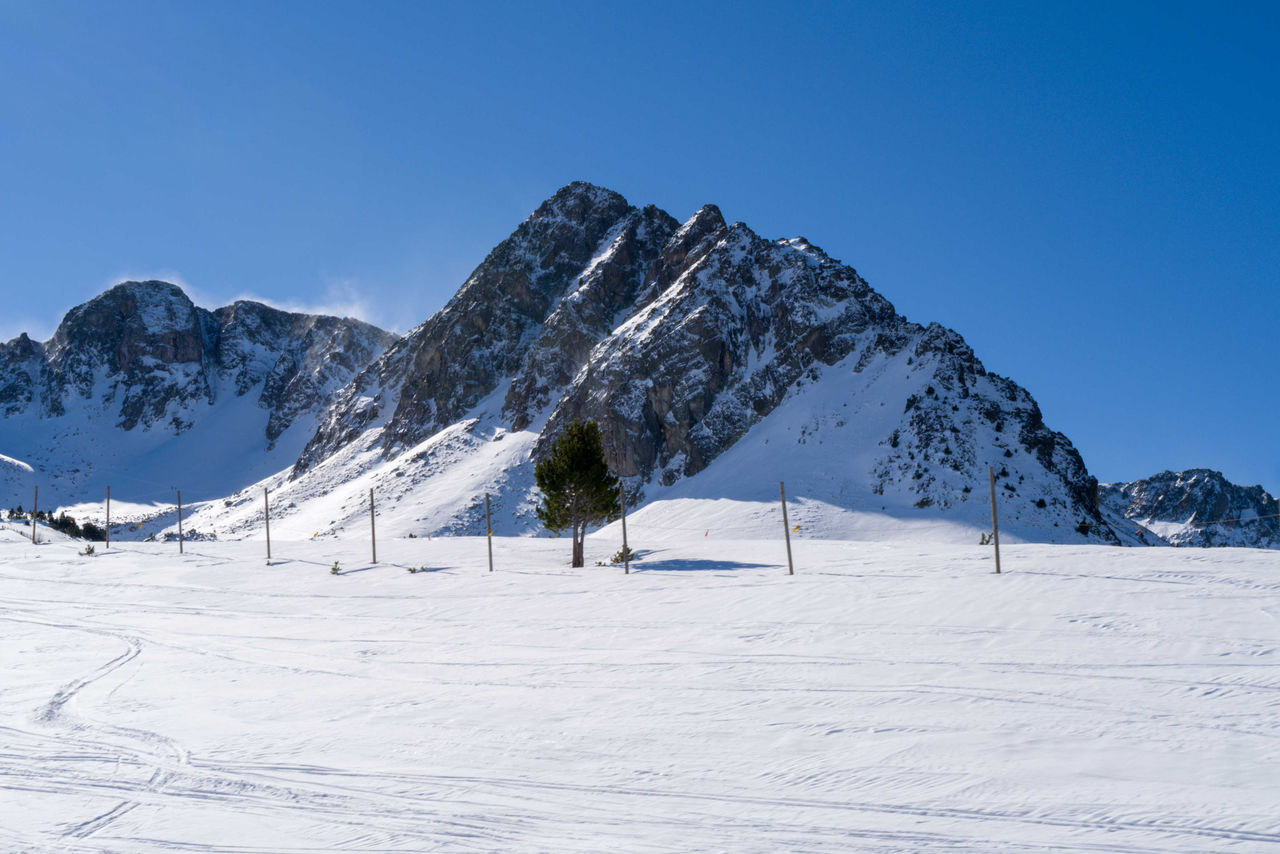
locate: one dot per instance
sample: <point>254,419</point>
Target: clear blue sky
<point>1089,193</point>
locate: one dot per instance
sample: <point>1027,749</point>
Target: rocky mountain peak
<point>130,322</point>
<point>705,220</point>
<point>142,337</point>
<point>577,201</point>
<point>674,257</point>
<point>481,336</point>
<point>682,340</point>
<point>1196,507</point>
<point>21,347</point>
<point>142,356</point>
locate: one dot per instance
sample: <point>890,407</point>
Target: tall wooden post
<point>786,527</point>
<point>626,552</point>
<point>995,524</point>
<point>373,533</point>
<point>266,512</point>
<point>488,527</point>
<point>108,529</point>
<point>34,502</point>
<point>179,521</point>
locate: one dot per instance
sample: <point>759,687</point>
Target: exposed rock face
<point>740,321</point>
<point>140,364</point>
<point>608,288</point>
<point>583,237</point>
<point>142,346</point>
<point>23,372</point>
<point>1198,507</point>
<point>146,354</point>
<point>679,339</point>
<point>301,360</point>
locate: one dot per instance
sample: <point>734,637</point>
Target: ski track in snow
<point>889,697</point>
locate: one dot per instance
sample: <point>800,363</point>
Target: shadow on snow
<point>688,565</point>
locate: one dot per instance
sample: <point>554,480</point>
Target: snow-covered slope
<point>717,362</point>
<point>1198,507</point>
<point>141,390</point>
<point>16,478</point>
<point>888,697</point>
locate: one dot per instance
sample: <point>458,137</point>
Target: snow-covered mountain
<point>1198,507</point>
<point>718,362</point>
<point>142,390</point>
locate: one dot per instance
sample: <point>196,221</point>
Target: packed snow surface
<point>889,696</point>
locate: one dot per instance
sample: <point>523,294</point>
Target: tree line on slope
<point>62,523</point>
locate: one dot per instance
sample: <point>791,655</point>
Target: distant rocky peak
<point>132,308</point>
<point>144,354</point>
<point>21,347</point>
<point>244,310</point>
<point>706,220</point>
<point>130,328</point>
<point>577,202</point>
<point>1197,507</point>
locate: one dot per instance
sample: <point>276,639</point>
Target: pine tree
<point>576,485</point>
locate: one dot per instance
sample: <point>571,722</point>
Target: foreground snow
<point>887,697</point>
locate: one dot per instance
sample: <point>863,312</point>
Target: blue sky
<point>1089,193</point>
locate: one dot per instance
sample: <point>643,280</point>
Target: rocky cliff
<point>680,339</point>
<point>140,365</point>
<point>1197,507</point>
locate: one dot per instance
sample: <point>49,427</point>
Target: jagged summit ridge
<point>142,358</point>
<point>683,339</point>
<point>1196,507</point>
<point>145,347</point>
<point>582,237</point>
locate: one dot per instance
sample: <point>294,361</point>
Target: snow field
<point>888,697</point>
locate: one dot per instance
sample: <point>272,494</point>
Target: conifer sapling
<point>577,488</point>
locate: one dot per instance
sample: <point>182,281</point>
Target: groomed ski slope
<point>887,697</point>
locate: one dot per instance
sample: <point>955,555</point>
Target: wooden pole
<point>108,517</point>
<point>786,527</point>
<point>626,553</point>
<point>488,527</point>
<point>373,533</point>
<point>266,512</point>
<point>34,502</point>
<point>179,521</point>
<point>995,524</point>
